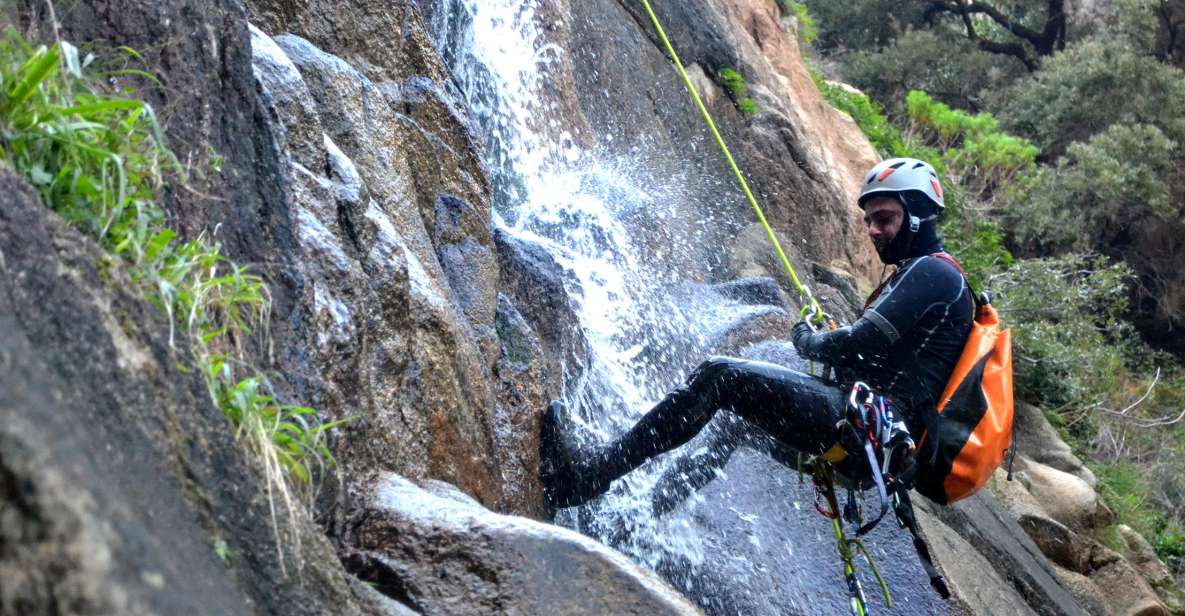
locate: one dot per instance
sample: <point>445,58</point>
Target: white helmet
<point>900,175</point>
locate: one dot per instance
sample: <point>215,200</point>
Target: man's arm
<point>860,343</point>
<point>927,282</point>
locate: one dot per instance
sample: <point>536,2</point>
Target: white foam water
<point>645,324</point>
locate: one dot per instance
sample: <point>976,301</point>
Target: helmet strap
<point>915,223</point>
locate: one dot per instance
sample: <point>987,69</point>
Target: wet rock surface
<point>469,560</point>
<point>118,477</point>
<point>755,528</point>
<point>400,282</point>
<point>534,281</point>
<point>803,158</point>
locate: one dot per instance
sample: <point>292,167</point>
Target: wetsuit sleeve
<point>928,282</point>
<point>861,342</point>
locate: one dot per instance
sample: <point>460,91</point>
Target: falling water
<point>646,322</point>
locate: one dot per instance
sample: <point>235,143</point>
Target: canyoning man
<point>904,346</point>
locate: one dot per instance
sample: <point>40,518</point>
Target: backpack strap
<point>903,507</point>
<point>977,299</point>
<point>877,291</point>
<point>949,259</point>
<point>931,420</point>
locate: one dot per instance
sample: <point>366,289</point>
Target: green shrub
<point>1091,86</point>
<point>976,155</point>
<point>734,85</point>
<point>99,161</point>
<point>1120,178</point>
<point>1067,319</point>
<point>950,67</point>
<point>1131,492</point>
<point>861,24</point>
<point>1170,546</point>
<point>1124,487</point>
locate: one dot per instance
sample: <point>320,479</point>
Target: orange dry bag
<point>975,412</point>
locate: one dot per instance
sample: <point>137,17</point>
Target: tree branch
<point>1054,34</point>
<point>1051,37</point>
<point>1013,49</point>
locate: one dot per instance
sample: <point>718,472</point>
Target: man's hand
<point>801,335</point>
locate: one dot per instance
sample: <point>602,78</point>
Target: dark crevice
<point>380,576</point>
<point>18,495</point>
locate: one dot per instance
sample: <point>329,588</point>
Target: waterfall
<point>645,309</point>
<point>645,326</point>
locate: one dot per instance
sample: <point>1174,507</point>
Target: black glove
<point>801,335</point>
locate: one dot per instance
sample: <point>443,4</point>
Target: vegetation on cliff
<point>99,160</point>
<point>1061,138</point>
<point>734,85</point>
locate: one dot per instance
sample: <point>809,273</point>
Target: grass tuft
<point>734,84</point>
<point>100,162</point>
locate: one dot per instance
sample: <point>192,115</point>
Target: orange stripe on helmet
<point>886,173</point>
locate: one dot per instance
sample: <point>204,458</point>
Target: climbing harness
<point>871,427</point>
<point>885,441</point>
<point>803,291</point>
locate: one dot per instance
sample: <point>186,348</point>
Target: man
<point>905,345</point>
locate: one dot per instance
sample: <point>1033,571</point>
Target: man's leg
<point>693,471</point>
<point>797,409</point>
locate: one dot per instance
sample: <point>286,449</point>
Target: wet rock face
<point>535,282</point>
<point>117,475</point>
<point>414,363</point>
<point>472,561</point>
<point>394,322</point>
<point>762,549</point>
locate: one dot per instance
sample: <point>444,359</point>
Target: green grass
<point>1127,490</point>
<point>734,84</point>
<point>221,550</point>
<point>98,159</point>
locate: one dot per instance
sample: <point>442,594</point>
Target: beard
<point>884,249</point>
<point>892,251</point>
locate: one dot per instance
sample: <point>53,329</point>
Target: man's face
<point>884,216</point>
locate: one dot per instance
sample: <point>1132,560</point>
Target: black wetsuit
<point>905,344</point>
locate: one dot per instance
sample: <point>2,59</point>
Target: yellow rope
<point>803,291</point>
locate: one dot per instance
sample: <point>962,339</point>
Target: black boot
<point>571,476</point>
